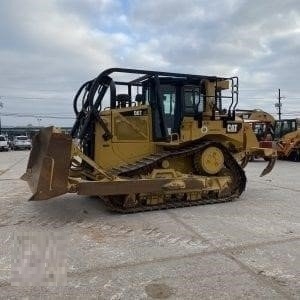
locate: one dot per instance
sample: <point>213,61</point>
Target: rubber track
<point>147,164</point>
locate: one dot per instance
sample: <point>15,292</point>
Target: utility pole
<point>279,104</point>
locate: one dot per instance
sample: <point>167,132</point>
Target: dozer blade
<point>48,165</point>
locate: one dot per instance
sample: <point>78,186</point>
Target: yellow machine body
<point>168,149</point>
<point>288,146</point>
<point>282,135</point>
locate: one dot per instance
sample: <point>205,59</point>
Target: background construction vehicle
<point>164,140</point>
<point>287,137</point>
<point>282,134</point>
<point>261,122</point>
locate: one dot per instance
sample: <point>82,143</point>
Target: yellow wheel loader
<point>287,137</point>
<point>146,140</point>
<point>282,135</point>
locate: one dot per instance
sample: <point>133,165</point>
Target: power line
<point>19,115</point>
<point>33,98</point>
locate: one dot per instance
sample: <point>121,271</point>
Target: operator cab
<point>171,97</point>
<point>283,127</point>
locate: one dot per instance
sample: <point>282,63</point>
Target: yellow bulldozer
<point>146,140</point>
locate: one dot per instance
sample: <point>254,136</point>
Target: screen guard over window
<point>193,101</point>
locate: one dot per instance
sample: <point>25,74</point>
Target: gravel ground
<point>72,247</point>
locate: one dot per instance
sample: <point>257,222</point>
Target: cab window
<point>168,93</point>
<point>193,101</point>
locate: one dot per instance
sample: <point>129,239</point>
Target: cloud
<point>48,48</point>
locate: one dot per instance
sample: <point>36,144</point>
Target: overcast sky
<point>49,48</point>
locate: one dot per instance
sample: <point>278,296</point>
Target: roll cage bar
<point>93,92</point>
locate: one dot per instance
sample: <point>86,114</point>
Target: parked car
<point>3,143</point>
<point>21,142</point>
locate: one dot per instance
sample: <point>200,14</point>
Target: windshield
<point>22,138</point>
<point>283,127</point>
<point>2,139</point>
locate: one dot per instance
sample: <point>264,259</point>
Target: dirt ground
<point>73,247</point>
